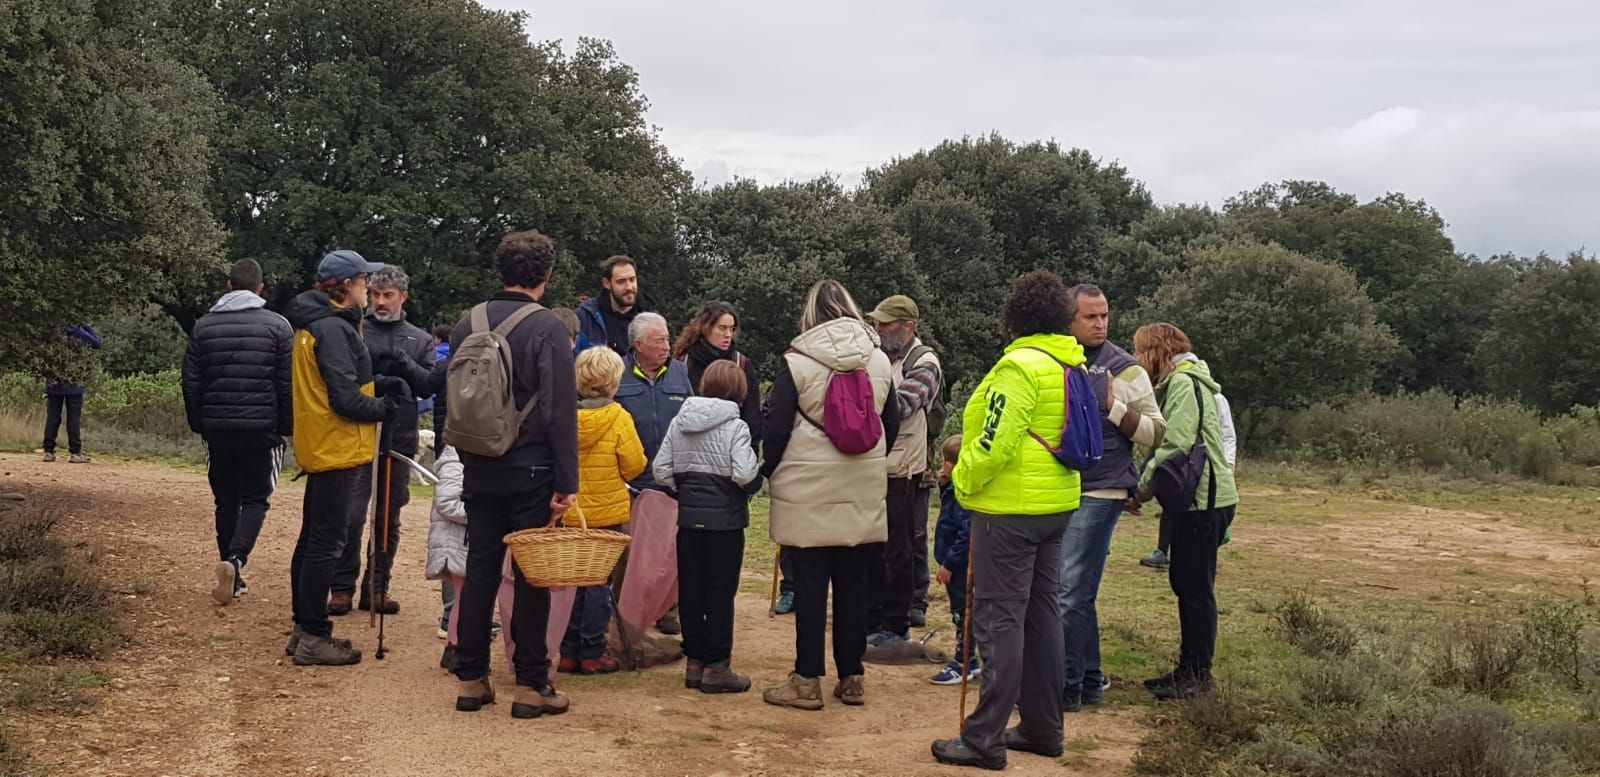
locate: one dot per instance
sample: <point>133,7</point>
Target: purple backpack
<point>850,417</point>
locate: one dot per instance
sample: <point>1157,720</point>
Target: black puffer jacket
<point>236,374</point>
<point>402,351</point>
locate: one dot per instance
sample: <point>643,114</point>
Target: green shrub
<point>50,634</point>
<point>1579,435</point>
<point>1306,626</point>
<point>1577,742</point>
<point>1346,681</point>
<point>1553,632</point>
<point>52,604</point>
<point>26,536</point>
<point>1482,658</point>
<point>1454,736</point>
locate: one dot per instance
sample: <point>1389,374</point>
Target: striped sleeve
<point>920,386</point>
<point>1134,408</point>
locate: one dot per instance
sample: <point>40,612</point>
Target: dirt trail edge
<point>206,690</point>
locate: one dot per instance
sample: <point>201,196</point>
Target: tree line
<point>152,142</point>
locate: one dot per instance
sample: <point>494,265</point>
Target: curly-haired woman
<point>1019,496</point>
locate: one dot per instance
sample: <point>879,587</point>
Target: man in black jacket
<point>534,482</point>
<point>238,396</point>
<point>402,351</point>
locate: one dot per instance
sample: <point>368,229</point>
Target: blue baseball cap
<point>344,265</point>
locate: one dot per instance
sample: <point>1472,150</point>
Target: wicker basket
<point>556,556</point>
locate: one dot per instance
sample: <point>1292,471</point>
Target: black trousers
<point>708,579</point>
<point>73,405</point>
<point>377,573</point>
<point>892,579</point>
<point>1192,573</point>
<point>919,549</point>
<point>814,570</point>
<point>786,570</point>
<point>500,501</point>
<point>324,516</point>
<point>242,478</point>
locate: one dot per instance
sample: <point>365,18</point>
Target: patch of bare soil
<point>206,690</point>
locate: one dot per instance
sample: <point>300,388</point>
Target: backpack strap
<point>1199,434</point>
<point>1066,395</point>
<point>512,321</point>
<point>797,407</point>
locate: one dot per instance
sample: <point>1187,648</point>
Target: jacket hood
<point>308,307</point>
<point>1193,366</point>
<point>842,345</point>
<point>1064,347</point>
<point>597,422</point>
<point>238,300</point>
<point>702,414</point>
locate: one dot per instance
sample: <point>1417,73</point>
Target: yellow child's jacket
<point>609,455</point>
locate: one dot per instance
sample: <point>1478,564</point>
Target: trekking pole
<point>966,641</point>
<point>372,536</point>
<point>388,503</point>
<point>777,569</point>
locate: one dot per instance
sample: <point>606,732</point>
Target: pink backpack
<point>850,417</point>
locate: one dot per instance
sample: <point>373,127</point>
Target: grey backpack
<point>481,413</point>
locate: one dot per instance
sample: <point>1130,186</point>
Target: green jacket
<point>1176,394</point>
<point>1003,470</point>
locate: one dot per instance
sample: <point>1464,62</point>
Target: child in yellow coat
<point>609,455</point>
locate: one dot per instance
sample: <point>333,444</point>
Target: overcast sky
<point>1489,111</point>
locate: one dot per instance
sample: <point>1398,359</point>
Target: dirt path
<point>205,690</point>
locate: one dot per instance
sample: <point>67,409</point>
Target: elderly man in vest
<point>917,375</point>
<point>1134,418</point>
<point>653,388</point>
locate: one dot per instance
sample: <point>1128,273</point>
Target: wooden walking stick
<point>966,639</point>
<point>777,567</point>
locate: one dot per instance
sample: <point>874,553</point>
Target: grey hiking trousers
<point>1016,615</point>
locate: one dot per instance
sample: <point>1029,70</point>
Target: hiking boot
<point>386,605</point>
<point>338,604</point>
<point>1014,741</point>
<point>567,665</point>
<point>533,702</point>
<point>324,651</point>
<point>1156,560</point>
<point>801,693</point>
<point>49,457</point>
<point>669,625</point>
<point>227,574</point>
<point>1094,690</point>
<point>601,665</point>
<point>956,753</point>
<point>693,674</point>
<point>851,690</point>
<point>447,659</point>
<point>294,642</point>
<point>1187,687</point>
<point>718,678</point>
<point>784,606</point>
<point>919,618</point>
<point>1157,682</point>
<point>78,458</point>
<point>471,695</point>
<point>1071,700</point>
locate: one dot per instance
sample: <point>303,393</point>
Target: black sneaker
<point>1185,688</point>
<point>919,618</point>
<point>1071,701</point>
<point>1094,690</point>
<point>956,753</point>
<point>1157,682</point>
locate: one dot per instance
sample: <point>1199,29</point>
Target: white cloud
<point>1487,111</point>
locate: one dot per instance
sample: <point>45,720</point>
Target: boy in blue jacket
<point>950,551</point>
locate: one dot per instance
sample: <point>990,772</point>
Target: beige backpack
<point>481,413</point>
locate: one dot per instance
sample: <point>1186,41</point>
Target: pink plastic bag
<point>560,612</point>
<point>650,581</point>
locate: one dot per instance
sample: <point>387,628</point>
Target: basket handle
<point>583,523</point>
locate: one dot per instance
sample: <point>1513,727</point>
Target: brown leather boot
<point>313,650</point>
<point>533,702</point>
<point>386,605</point>
<point>692,672</point>
<point>471,695</point>
<point>338,604</point>
<point>851,690</point>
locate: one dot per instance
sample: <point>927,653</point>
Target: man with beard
<point>605,319</point>
<point>917,376</point>
<point>403,351</point>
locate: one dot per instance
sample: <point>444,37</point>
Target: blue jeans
<point>586,631</point>
<point>1083,563</point>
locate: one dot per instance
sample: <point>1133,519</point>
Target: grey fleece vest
<point>1115,469</point>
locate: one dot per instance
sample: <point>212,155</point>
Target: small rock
<point>12,497</point>
<point>224,679</point>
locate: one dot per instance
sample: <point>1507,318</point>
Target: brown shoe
<point>338,604</point>
<point>692,673</point>
<point>471,695</point>
<point>294,642</point>
<point>324,651</point>
<point>386,605</point>
<point>851,690</point>
<point>49,457</point>
<point>801,693</point>
<point>718,678</point>
<point>533,702</point>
